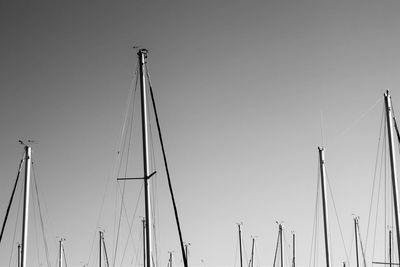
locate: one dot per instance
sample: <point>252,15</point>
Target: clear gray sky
<point>240,87</point>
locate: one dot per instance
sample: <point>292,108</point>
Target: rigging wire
<point>374,179</point>
<point>379,190</point>
<point>361,245</point>
<point>41,216</point>
<point>56,256</point>
<point>130,224</point>
<point>12,197</point>
<point>315,223</point>
<point>337,217</point>
<point>118,228</point>
<point>129,99</point>
<point>36,233</point>
<point>357,120</point>
<point>16,223</point>
<point>126,167</point>
<point>105,253</point>
<point>65,258</point>
<point>287,247</point>
<point>153,162</point>
<point>246,259</point>
<point>257,254</point>
<point>351,246</point>
<point>35,230</point>
<point>154,202</point>
<point>318,240</point>
<point>116,187</point>
<point>395,126</point>
<point>123,191</point>
<point>276,250</point>
<point>236,251</point>
<point>167,172</point>
<point>137,252</point>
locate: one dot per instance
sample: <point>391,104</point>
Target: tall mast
<point>26,205</point>
<point>252,253</point>
<point>390,248</point>
<point>277,245</point>
<point>142,54</point>
<point>170,259</point>
<point>281,244</point>
<point>19,255</point>
<point>240,244</point>
<point>60,247</point>
<point>355,233</point>
<point>144,241</point>
<point>389,117</point>
<point>100,237</point>
<point>324,205</point>
<point>187,252</point>
<point>294,250</point>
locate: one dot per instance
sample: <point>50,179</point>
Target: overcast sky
<point>243,89</point>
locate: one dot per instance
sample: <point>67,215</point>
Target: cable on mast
<point>12,197</point>
<point>167,171</point>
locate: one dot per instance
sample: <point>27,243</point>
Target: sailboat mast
<point>390,248</point>
<point>355,233</point>
<point>100,237</point>
<point>240,244</point>
<point>324,204</point>
<point>144,241</point>
<point>142,54</point>
<point>389,117</point>
<point>170,259</point>
<point>281,244</point>
<point>19,255</point>
<point>252,253</point>
<point>294,250</point>
<point>60,247</point>
<point>26,205</point>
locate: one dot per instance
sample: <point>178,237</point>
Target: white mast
<point>142,54</point>
<point>60,262</point>
<point>26,205</point>
<point>389,117</point>
<point>324,205</point>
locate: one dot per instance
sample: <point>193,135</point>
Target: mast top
<point>143,51</point>
<point>321,148</point>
